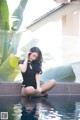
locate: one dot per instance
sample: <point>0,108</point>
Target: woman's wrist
<point>38,86</point>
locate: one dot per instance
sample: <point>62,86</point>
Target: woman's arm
<point>38,82</point>
<point>23,66</point>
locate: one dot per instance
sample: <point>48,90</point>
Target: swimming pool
<point>50,108</point>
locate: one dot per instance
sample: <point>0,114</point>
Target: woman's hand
<point>28,55</point>
<point>39,89</point>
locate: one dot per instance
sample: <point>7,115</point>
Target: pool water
<point>49,108</point>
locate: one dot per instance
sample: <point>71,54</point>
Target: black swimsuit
<point>29,74</point>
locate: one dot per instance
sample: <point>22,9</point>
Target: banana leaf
<point>9,69</point>
<point>4,25</point>
<point>9,42</point>
<point>4,15</point>
<point>17,15</point>
<point>14,43</point>
<point>5,40</point>
<point>1,46</point>
<point>47,57</point>
<point>60,74</point>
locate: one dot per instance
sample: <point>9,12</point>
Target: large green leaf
<point>1,45</point>
<point>5,40</point>
<point>60,74</point>
<point>4,15</point>
<point>4,25</point>
<point>9,69</point>
<point>14,43</point>
<point>17,15</point>
<point>9,42</point>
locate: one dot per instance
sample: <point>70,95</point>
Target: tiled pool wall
<point>61,88</point>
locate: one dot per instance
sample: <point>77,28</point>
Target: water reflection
<point>38,109</point>
<point>50,108</point>
<point>28,110</point>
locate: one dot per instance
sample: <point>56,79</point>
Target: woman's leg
<point>31,91</point>
<point>45,87</point>
<point>48,85</point>
<point>25,91</point>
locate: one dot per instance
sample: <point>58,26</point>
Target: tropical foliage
<point>9,40</point>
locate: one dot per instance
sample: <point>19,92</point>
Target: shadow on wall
<point>60,74</point>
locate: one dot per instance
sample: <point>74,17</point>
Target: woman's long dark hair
<point>39,59</point>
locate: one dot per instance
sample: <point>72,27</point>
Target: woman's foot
<point>44,94</point>
<point>41,95</point>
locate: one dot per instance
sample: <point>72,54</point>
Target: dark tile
<point>60,88</point>
<point>10,88</point>
<point>74,89</point>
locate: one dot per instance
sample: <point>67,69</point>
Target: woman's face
<point>33,56</point>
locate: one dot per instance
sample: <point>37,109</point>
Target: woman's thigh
<point>30,90</point>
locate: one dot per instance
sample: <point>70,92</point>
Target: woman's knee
<point>53,82</point>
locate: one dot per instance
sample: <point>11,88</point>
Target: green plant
<point>9,41</point>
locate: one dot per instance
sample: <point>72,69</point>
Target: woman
<point>29,109</point>
<point>31,70</point>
